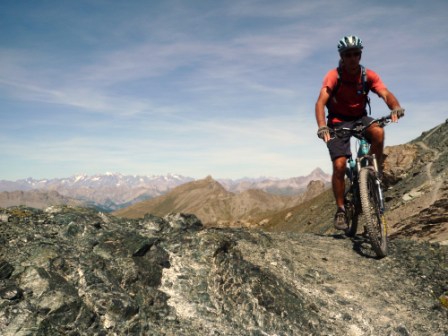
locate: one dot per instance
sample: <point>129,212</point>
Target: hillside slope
<point>36,199</point>
<point>190,197</point>
<point>418,201</point>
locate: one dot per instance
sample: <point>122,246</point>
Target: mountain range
<point>215,205</point>
<point>108,191</point>
<point>290,186</point>
<point>113,191</point>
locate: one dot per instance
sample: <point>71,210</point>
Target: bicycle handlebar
<point>359,129</point>
<point>384,121</point>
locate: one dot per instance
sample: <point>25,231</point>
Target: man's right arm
<point>324,96</point>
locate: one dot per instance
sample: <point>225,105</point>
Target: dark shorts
<point>340,146</point>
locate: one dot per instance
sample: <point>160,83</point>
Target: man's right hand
<point>324,133</point>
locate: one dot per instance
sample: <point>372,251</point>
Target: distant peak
<point>317,170</point>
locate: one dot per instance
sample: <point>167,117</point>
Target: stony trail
<point>358,294</point>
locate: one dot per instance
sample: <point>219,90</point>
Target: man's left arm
<point>391,102</point>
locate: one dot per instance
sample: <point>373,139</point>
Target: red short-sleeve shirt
<point>347,101</point>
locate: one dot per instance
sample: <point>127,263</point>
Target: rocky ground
<point>74,271</point>
<point>417,197</point>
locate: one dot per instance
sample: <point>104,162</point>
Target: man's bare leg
<point>337,180</point>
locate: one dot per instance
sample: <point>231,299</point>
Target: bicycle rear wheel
<point>375,222</point>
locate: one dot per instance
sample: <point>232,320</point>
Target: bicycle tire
<point>351,211</point>
<point>375,223</point>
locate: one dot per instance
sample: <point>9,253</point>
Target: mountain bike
<point>363,193</point>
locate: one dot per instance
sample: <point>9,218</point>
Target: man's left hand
<point>396,114</point>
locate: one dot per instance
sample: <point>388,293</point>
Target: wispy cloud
<point>207,88</point>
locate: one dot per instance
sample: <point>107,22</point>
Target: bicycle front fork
<point>380,195</point>
<point>378,184</point>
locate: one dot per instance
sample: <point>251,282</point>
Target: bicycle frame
<point>363,159</point>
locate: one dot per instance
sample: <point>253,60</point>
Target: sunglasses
<point>352,54</point>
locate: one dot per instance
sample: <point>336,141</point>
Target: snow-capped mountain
<point>159,182</point>
<point>110,191</point>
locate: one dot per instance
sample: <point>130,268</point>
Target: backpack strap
<point>365,88</point>
<point>363,81</point>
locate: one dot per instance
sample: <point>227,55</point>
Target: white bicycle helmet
<point>349,42</point>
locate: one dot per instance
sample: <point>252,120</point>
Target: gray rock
<point>74,271</point>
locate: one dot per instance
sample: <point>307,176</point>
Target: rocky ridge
<point>74,271</point>
<point>36,199</point>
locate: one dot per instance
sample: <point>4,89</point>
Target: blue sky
<point>221,88</point>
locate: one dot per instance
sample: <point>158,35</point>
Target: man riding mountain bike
<point>345,94</point>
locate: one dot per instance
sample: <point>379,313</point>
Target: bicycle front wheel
<point>375,223</point>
